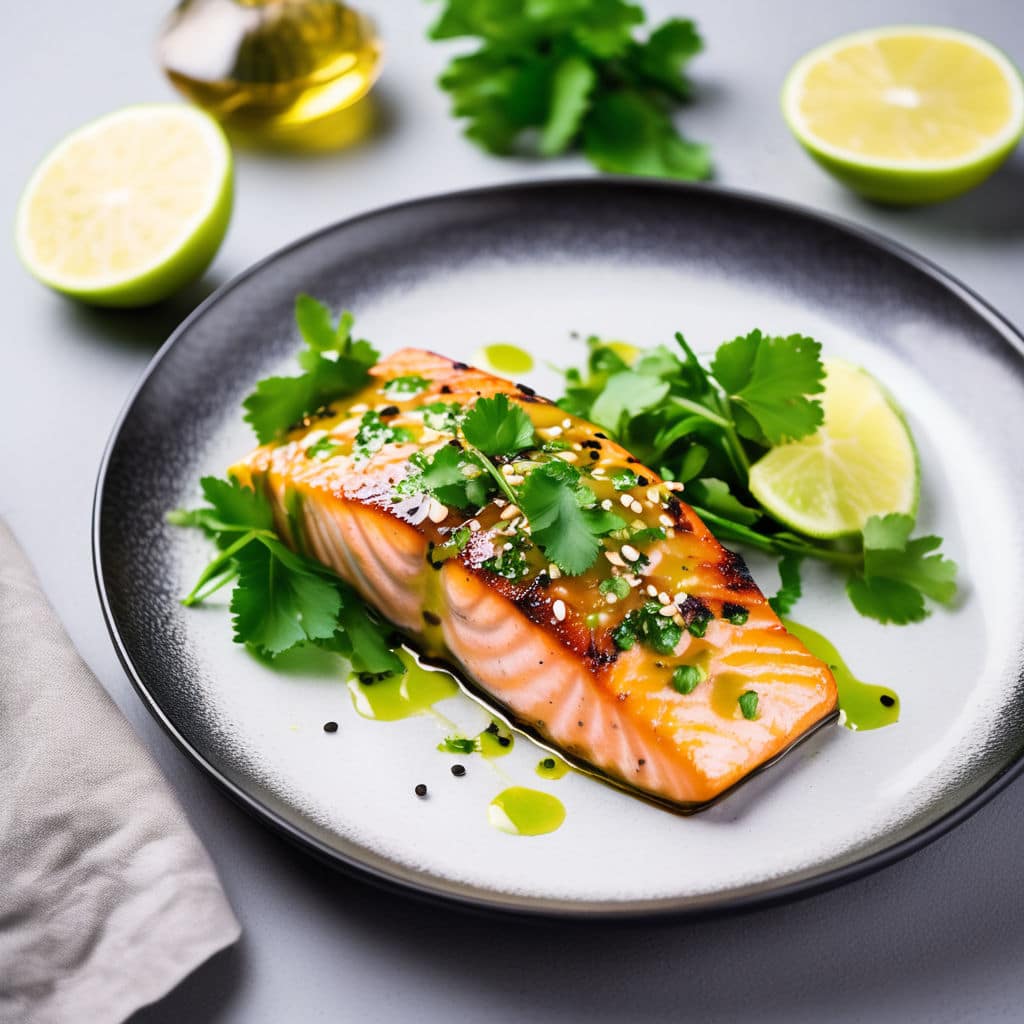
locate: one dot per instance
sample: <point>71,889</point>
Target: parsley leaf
<point>770,378</point>
<point>498,427</point>
<point>549,74</point>
<point>648,626</point>
<point>334,365</point>
<point>899,572</point>
<point>562,518</point>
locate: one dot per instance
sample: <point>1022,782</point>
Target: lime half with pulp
<point>860,463</point>
<point>128,208</point>
<point>911,114</point>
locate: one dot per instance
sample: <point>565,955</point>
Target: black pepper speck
<point>421,790</point>
<point>458,770</point>
<point>330,726</point>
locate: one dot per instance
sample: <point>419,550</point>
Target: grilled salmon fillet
<point>545,648</point>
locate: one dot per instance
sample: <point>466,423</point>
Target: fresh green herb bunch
<point>553,74</point>
<point>705,425</point>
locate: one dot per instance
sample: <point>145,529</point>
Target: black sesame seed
<point>887,701</point>
<point>641,481</point>
<point>632,460</point>
<point>493,727</point>
<point>431,619</point>
<point>548,762</point>
<point>597,433</point>
<point>504,741</point>
<point>526,389</point>
<point>420,790</point>
<point>330,726</point>
<point>594,455</point>
<point>641,762</point>
<point>458,770</point>
<point>445,390</point>
<point>460,366</point>
<point>389,410</point>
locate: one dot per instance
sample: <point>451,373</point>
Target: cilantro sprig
<point>333,364</point>
<point>706,425</point>
<point>550,75</point>
<point>281,599</point>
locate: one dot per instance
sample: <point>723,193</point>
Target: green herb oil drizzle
<point>525,812</point>
<point>865,705</point>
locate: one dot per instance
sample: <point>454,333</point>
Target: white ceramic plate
<point>531,265</point>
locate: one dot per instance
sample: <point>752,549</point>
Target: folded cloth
<point>107,897</point>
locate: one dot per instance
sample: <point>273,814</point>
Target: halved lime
<point>910,114</point>
<point>861,462</point>
<point>128,208</point>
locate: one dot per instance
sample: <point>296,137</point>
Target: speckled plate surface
<point>531,265</point>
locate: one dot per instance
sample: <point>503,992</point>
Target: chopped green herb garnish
<point>748,704</point>
<point>323,449</point>
<point>374,433</point>
<point>686,678</point>
<point>735,614</point>
<point>648,626</point>
<point>624,480</point>
<point>509,563</point>
<point>407,386</point>
<point>614,585</point>
<point>457,745</point>
<point>441,416</point>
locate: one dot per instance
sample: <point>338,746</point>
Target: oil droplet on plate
<point>520,811</point>
<point>502,358</point>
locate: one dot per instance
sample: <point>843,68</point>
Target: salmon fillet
<point>540,646</point>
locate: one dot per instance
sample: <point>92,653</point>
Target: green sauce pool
<point>865,706</point>
<point>414,692</point>
<point>520,811</point>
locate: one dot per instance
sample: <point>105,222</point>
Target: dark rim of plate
<point>496,903</point>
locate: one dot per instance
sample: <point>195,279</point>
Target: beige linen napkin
<point>107,898</point>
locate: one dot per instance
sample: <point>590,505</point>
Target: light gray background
<point>939,937</point>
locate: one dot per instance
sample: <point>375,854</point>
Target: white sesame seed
<point>630,553</point>
<point>606,504</point>
<point>559,609</point>
<point>428,434</point>
<point>500,502</point>
<point>473,525</point>
<point>668,611</point>
<point>437,513</point>
<point>510,512</point>
<point>652,590</point>
<point>636,507</point>
<point>679,620</point>
<point>653,495</point>
<point>507,546</point>
<point>567,456</point>
<point>614,557</point>
<point>680,597</point>
<point>633,581</point>
<point>553,571</point>
<point>507,470</point>
<point>515,479</point>
<point>610,598</point>
<point>597,471</point>
<point>566,423</point>
<point>674,485</point>
<point>577,447</point>
<point>665,520</point>
<point>553,431</point>
<point>626,501</point>
<point>663,598</point>
<point>361,407</point>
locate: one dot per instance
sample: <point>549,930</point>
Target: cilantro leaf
<point>790,586</point>
<point>334,365</point>
<point>628,133</point>
<point>714,495</point>
<point>770,378</point>
<point>231,509</point>
<point>661,59</point>
<point>625,395</point>
<point>279,604</point>
<point>571,85</point>
<point>498,427</point>
<point>451,475</point>
<point>648,626</point>
<point>899,573</point>
<point>561,521</point>
<point>748,704</point>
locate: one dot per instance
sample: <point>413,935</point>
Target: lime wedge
<point>861,462</point>
<point>128,208</point>
<point>906,114</point>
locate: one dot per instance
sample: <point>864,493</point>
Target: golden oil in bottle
<point>280,72</point>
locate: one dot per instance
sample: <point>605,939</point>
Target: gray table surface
<point>938,937</point>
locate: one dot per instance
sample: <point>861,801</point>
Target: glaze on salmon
<point>545,648</point>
